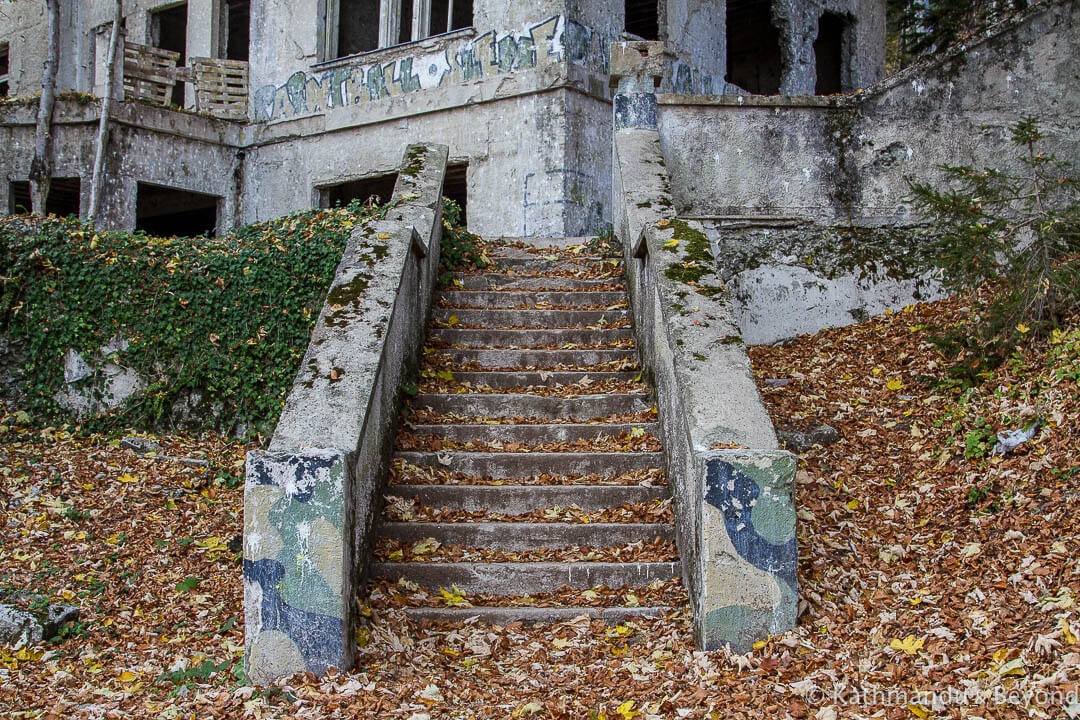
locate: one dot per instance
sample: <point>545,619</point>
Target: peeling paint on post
<point>749,555</point>
<point>297,580</point>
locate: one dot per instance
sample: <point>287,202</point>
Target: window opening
<point>829,51</point>
<point>63,199</point>
<point>237,44</point>
<point>4,64</point>
<point>357,27</point>
<point>643,19</point>
<point>170,212</point>
<point>405,26</point>
<point>378,188</point>
<point>168,31</point>
<point>753,47</point>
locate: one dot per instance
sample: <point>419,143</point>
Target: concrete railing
<point>733,489</point>
<point>310,500</point>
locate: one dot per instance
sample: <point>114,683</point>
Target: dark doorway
<point>378,189</point>
<point>239,30</point>
<point>643,19</point>
<point>63,199</point>
<point>456,187</point>
<point>753,47</point>
<point>168,31</point>
<point>170,212</point>
<point>358,26</point>
<point>829,50</point>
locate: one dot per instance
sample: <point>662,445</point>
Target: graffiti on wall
<point>317,91</point>
<point>464,60</point>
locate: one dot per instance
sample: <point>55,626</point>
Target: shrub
<point>1012,241</point>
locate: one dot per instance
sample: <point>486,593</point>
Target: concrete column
<point>637,67</point>
<point>297,563</point>
<point>203,30</point>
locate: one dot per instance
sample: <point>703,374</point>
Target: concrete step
<point>496,318</point>
<point>539,264</point>
<point>536,379</point>
<point>516,537</point>
<point>504,243</point>
<point>501,615</point>
<point>511,499</point>
<point>512,299</point>
<point>526,578</point>
<point>539,358</point>
<point>518,465</point>
<point>504,281</point>
<point>583,407</point>
<point>540,337</point>
<point>530,434</point>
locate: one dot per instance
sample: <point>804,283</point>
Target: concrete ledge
<point>310,501</point>
<point>758,101</point>
<point>734,507</point>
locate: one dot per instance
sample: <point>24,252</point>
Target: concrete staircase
<point>529,463</point>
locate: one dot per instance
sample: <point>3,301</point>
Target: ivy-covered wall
<point>201,332</point>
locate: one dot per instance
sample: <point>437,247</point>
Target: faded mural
<point>550,42</point>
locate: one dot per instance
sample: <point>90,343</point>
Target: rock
<point>236,543</point>
<point>799,441</point>
<point>777,382</point>
<point>58,616</point>
<point>194,462</point>
<point>140,446</point>
<point>18,627</point>
<point>75,367</point>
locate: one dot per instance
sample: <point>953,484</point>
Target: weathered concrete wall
<point>312,498</point>
<point>836,166</point>
<point>733,490</point>
<point>148,144</point>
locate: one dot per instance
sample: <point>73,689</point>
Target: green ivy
<point>459,249</point>
<point>225,319</point>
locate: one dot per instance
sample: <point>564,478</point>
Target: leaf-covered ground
<point>928,565</point>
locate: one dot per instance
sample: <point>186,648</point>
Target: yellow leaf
<point>445,375</point>
<point>529,708</point>
<point>919,711</point>
<point>425,546</point>
<point>125,478</point>
<point>1023,328</point>
<point>127,677</point>
<point>895,384</point>
<point>637,432</point>
<point>853,504</point>
<point>619,652</point>
<point>397,555</point>
<point>1066,630</point>
<point>454,597</point>
<point>674,242</point>
<point>627,710</point>
<point>909,645</point>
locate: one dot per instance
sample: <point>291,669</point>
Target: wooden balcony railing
<point>221,86</point>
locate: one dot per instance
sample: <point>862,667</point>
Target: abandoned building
<point>749,155</point>
<point>234,112</point>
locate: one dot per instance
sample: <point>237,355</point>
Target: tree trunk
<point>103,126</point>
<point>41,167</point>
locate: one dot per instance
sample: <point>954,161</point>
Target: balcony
<point>221,86</point>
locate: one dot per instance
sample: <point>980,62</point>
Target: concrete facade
<point>806,200</point>
<point>518,92</point>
